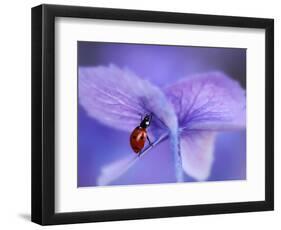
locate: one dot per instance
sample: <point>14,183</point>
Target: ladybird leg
<point>150,143</point>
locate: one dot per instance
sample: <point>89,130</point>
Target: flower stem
<point>175,141</point>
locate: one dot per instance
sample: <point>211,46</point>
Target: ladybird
<point>139,135</point>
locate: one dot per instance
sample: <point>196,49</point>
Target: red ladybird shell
<point>137,139</point>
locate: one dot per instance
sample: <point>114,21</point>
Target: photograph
<point>140,114</point>
<point>157,113</point>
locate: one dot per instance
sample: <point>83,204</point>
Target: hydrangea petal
<point>115,169</point>
<point>210,101</point>
<point>197,151</point>
<point>118,98</point>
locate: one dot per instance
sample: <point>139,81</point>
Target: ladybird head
<point>146,121</point>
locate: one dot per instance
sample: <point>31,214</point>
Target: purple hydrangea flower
<point>189,113</point>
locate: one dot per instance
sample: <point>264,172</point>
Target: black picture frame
<point>43,114</point>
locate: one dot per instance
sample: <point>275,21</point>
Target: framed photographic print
<point>141,114</point>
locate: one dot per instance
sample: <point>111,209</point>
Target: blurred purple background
<point>99,145</point>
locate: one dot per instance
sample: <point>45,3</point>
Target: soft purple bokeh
<point>99,145</point>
